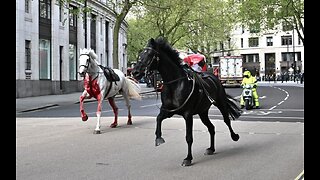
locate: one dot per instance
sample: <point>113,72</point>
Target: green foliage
<point>269,14</point>
<point>194,24</point>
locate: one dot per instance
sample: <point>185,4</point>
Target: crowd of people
<point>284,77</point>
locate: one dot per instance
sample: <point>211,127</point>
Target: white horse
<point>98,86</point>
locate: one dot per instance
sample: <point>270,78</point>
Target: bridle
<point>157,59</point>
<point>87,63</point>
<point>154,57</point>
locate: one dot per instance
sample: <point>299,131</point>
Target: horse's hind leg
<point>189,139</point>
<point>226,119</point>
<point>115,111</point>
<point>206,121</point>
<point>127,100</point>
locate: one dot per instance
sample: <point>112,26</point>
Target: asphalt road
<point>55,144</point>
<point>278,103</point>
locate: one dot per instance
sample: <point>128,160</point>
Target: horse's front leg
<point>83,96</point>
<point>161,116</point>
<point>189,139</point>
<point>97,130</point>
<point>115,111</point>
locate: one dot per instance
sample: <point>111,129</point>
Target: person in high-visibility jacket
<point>249,79</point>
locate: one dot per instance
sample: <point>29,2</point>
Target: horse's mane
<point>90,51</point>
<point>166,47</point>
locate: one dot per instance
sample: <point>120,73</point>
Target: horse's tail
<point>133,88</point>
<point>233,109</point>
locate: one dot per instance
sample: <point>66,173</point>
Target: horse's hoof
<point>186,162</point>
<point>96,132</point>
<point>129,123</point>
<point>159,141</point>
<point>113,125</point>
<point>209,152</point>
<point>85,118</point>
<point>235,137</point>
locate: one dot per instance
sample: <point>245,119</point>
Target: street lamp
<point>85,23</point>
<point>294,57</point>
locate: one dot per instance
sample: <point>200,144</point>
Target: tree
<point>120,10</point>
<point>194,24</point>
<point>268,14</point>
<point>124,7</point>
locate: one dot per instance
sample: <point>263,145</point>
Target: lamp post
<point>294,57</point>
<point>85,24</point>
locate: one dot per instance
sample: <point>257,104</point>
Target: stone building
<point>265,53</point>
<point>48,42</point>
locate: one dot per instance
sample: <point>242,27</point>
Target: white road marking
<point>300,176</point>
<point>262,97</point>
<point>287,96</point>
<point>262,117</point>
<point>272,107</point>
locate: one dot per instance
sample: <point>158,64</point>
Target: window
<point>72,62</point>
<point>61,12</point>
<point>221,46</point>
<point>72,17</point>
<point>93,32</point>
<point>101,27</point>
<point>45,9</point>
<point>253,42</point>
<point>27,6</point>
<point>269,41</point>
<point>250,58</point>
<point>242,42</point>
<point>44,58</point>
<point>287,56</point>
<point>28,54</point>
<point>286,40</point>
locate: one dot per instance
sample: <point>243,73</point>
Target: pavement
<point>41,102</point>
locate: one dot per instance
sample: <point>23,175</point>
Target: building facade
<point>265,53</point>
<point>49,38</point>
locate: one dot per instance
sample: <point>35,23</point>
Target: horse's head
<point>86,56</point>
<point>148,59</point>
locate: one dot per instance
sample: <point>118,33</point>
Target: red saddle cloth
<point>192,59</point>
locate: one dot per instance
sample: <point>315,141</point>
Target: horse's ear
<point>152,41</point>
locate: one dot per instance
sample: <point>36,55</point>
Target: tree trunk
<point>119,19</point>
<point>115,51</point>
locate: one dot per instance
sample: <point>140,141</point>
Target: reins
<point>184,103</point>
<point>174,80</point>
<point>155,56</point>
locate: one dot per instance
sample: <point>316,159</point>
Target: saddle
<point>199,78</point>
<point>190,73</point>
<point>109,73</point>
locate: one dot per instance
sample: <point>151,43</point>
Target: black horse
<point>185,92</point>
